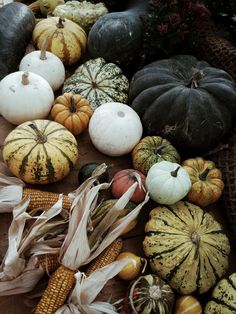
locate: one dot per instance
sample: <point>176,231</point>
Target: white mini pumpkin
<point>25,96</point>
<point>115,128</point>
<point>167,182</point>
<point>45,64</point>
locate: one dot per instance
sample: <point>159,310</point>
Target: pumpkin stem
<point>41,138</point>
<point>202,176</point>
<point>175,172</point>
<point>144,262</point>
<point>158,149</point>
<point>196,77</point>
<point>25,79</point>
<point>60,23</point>
<point>195,238</point>
<point>72,104</point>
<point>44,48</point>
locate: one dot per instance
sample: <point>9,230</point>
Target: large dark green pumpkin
<point>184,100</point>
<point>17,22</point>
<point>117,36</point>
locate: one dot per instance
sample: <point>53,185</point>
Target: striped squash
<point>186,247</point>
<point>67,40</point>
<point>40,151</point>
<point>150,295</point>
<point>223,299</point>
<point>98,82</point>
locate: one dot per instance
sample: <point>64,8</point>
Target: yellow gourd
<point>187,304</point>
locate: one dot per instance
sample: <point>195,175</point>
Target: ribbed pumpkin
<point>40,151</point>
<point>223,297</point>
<point>153,149</point>
<point>99,82</point>
<point>186,247</point>
<point>187,304</point>
<point>150,295</point>
<point>100,212</point>
<point>184,100</point>
<point>68,39</point>
<point>72,111</point>
<point>207,184</point>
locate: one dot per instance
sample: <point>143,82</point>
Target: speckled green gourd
<point>223,299</point>
<point>83,13</point>
<point>99,82</point>
<point>186,247</point>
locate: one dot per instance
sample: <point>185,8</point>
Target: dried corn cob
<point>58,288</point>
<point>108,256</point>
<point>49,262</point>
<point>40,199</point>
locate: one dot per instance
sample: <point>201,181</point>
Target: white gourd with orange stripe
<point>187,305</point>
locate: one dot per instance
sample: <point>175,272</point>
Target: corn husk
<point>81,246</point>
<point>82,299</point>
<point>20,271</point>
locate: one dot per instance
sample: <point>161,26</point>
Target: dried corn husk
<point>82,299</point>
<point>20,271</point>
<point>72,253</point>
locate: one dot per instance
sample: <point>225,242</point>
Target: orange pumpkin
<point>72,111</point>
<point>207,184</point>
<point>187,304</point>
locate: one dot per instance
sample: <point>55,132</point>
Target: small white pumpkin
<point>167,182</point>
<point>45,64</point>
<point>25,96</point>
<point>115,128</point>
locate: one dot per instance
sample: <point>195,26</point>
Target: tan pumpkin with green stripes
<point>223,299</point>
<point>186,247</point>
<point>40,151</point>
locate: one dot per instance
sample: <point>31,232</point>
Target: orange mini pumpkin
<point>73,111</point>
<point>207,184</point>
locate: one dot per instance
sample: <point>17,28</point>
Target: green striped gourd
<point>223,299</point>
<point>150,295</point>
<point>98,82</point>
<point>186,247</point>
<point>40,151</point>
<point>153,149</point>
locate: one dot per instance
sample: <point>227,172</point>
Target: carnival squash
<point>151,150</point>
<point>72,111</point>
<point>67,39</point>
<point>25,96</point>
<point>167,182</point>
<point>223,299</point>
<point>186,247</point>
<point>117,36</point>
<point>207,185</point>
<point>16,27</point>
<point>149,294</point>
<point>115,129</point>
<point>184,100</point>
<point>40,151</point>
<point>99,82</point>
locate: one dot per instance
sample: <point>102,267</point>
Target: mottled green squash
<point>186,247</point>
<point>223,299</point>
<point>99,82</point>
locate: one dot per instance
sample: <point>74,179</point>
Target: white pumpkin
<point>45,64</point>
<point>25,96</point>
<point>115,128</point>
<point>167,182</point>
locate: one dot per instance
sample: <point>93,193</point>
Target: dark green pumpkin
<point>117,36</point>
<point>184,100</point>
<point>16,27</point>
<point>153,149</point>
<point>86,171</point>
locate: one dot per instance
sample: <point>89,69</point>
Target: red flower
<point>175,19</point>
<point>162,28</point>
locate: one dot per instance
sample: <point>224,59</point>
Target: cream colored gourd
<point>45,64</point>
<point>167,182</point>
<point>25,96</point>
<point>115,129</point>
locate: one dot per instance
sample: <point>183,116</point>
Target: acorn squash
<point>186,247</point>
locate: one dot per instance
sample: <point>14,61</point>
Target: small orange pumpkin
<point>207,184</point>
<point>187,304</point>
<point>73,111</point>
